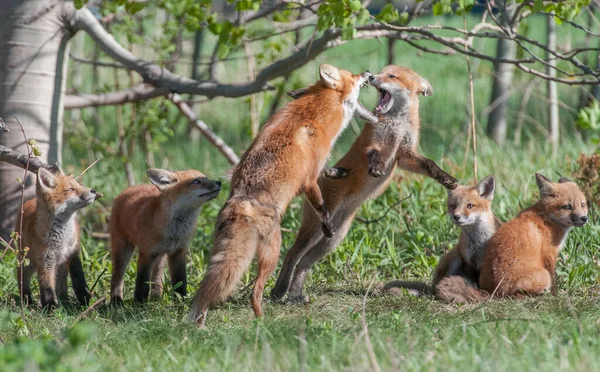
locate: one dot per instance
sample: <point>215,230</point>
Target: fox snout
<point>579,220</point>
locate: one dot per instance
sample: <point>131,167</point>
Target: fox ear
<point>46,180</point>
<point>162,179</point>
<point>544,185</point>
<point>426,88</point>
<point>330,75</point>
<point>486,187</point>
<point>564,180</point>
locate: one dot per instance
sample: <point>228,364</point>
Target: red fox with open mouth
<point>363,173</point>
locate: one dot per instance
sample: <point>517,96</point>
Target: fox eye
<point>196,182</point>
<point>470,206</point>
<point>70,189</point>
<point>583,205</point>
<point>392,76</point>
<point>567,207</point>
<point>453,206</point>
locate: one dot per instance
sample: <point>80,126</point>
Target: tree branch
<point>137,93</point>
<point>20,160</point>
<point>187,111</point>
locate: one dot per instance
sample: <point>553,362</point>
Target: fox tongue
<point>385,99</point>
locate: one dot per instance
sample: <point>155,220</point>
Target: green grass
<point>406,333</point>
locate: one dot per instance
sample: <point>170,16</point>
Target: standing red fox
<point>51,232</point>
<point>471,209</point>
<point>286,158</point>
<point>159,219</point>
<point>521,256</point>
<point>366,172</point>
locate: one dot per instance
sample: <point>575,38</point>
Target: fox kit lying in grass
<point>470,208</point>
<point>366,170</point>
<point>160,219</point>
<point>285,159</point>
<point>521,256</point>
<point>51,232</point>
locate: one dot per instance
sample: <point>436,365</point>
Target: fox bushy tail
<point>235,246</point>
<point>456,289</point>
<point>415,288</point>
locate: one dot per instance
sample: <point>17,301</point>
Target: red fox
<point>51,232</point>
<point>160,219</point>
<point>365,173</point>
<point>471,209</point>
<point>286,158</point>
<point>521,256</point>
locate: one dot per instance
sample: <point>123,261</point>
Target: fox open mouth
<point>386,101</point>
<point>213,192</point>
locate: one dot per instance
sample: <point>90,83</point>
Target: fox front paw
<point>48,300</point>
<point>376,169</point>
<point>327,227</point>
<point>335,172</point>
<point>450,182</point>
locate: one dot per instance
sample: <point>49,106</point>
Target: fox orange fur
<point>285,159</point>
<point>160,219</point>
<point>366,172</point>
<point>520,258</point>
<point>471,209</point>
<point>51,232</point>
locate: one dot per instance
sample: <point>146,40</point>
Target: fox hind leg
<point>310,233</point>
<point>80,287</point>
<point>120,255</point>
<point>268,255</point>
<point>315,254</point>
<point>156,276</point>
<point>177,271</point>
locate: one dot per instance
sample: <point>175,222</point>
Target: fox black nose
<point>584,218</point>
<point>371,77</point>
<point>456,217</point>
<point>218,183</point>
<point>93,191</point>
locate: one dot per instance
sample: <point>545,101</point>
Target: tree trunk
<point>552,93</point>
<point>502,80</point>
<point>33,42</point>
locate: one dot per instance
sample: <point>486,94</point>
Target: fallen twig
<point>365,221</point>
<point>87,311</point>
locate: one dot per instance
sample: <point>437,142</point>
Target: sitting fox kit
<point>285,159</point>
<point>366,170</point>
<point>521,256</point>
<point>51,232</point>
<point>470,208</point>
<point>160,219</point>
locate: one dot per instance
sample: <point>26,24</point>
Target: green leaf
<point>348,33</point>
<point>438,9</point>
<point>355,5</point>
<point>79,3</point>
<point>388,14</point>
<point>134,7</point>
<point>363,16</point>
<point>222,50</point>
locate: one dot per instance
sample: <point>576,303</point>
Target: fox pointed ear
<point>426,88</point>
<point>564,180</point>
<point>330,75</point>
<point>486,187</point>
<point>162,179</point>
<point>46,180</point>
<point>544,185</point>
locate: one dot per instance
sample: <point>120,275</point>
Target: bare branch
<point>187,111</point>
<point>23,161</point>
<point>140,92</point>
